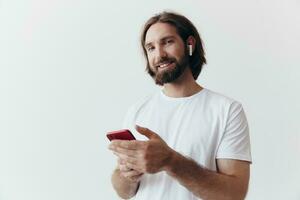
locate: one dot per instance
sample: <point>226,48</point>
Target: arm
<point>230,182</point>
<point>125,188</point>
<point>125,181</point>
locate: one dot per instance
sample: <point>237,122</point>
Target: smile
<point>164,65</point>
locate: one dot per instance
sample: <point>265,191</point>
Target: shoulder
<point>221,105</point>
<point>217,99</point>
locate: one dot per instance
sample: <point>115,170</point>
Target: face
<point>166,52</point>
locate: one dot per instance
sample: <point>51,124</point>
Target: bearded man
<point>192,143</point>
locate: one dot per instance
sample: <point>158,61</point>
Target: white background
<point>69,69</point>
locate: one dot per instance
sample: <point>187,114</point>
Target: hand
<point>130,174</point>
<point>149,156</point>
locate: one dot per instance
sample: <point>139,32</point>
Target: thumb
<point>146,132</point>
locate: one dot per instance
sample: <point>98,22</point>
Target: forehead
<point>158,31</point>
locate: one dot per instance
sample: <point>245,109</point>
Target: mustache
<point>165,60</point>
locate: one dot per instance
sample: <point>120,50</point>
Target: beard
<point>169,75</point>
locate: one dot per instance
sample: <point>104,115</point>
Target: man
<point>197,144</point>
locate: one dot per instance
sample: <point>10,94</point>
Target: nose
<point>161,53</point>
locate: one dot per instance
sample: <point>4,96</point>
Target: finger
<point>120,161</point>
<point>125,157</point>
<point>146,132</point>
<point>134,166</point>
<point>122,165</point>
<point>128,152</point>
<point>131,145</point>
<point>131,173</point>
<point>124,168</point>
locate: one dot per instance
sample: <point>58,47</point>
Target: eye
<point>168,41</point>
<point>150,48</point>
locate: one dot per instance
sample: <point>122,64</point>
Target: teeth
<point>165,64</point>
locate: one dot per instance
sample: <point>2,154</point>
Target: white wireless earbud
<point>190,49</point>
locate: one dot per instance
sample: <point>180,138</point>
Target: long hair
<point>184,28</point>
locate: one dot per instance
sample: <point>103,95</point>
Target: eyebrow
<point>162,39</point>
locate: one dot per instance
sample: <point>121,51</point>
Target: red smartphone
<point>123,134</point>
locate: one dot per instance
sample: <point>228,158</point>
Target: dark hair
<point>184,28</point>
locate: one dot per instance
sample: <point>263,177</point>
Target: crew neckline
<point>162,94</point>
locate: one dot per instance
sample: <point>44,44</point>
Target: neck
<point>184,86</point>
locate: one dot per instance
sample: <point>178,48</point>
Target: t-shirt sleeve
<point>235,142</point>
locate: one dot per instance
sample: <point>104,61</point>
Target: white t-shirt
<point>205,126</point>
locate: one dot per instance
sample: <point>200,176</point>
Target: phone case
<point>124,134</point>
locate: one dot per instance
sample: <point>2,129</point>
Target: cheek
<point>175,52</point>
<point>151,61</point>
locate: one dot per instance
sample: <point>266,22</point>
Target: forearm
<point>124,187</point>
<point>204,183</point>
